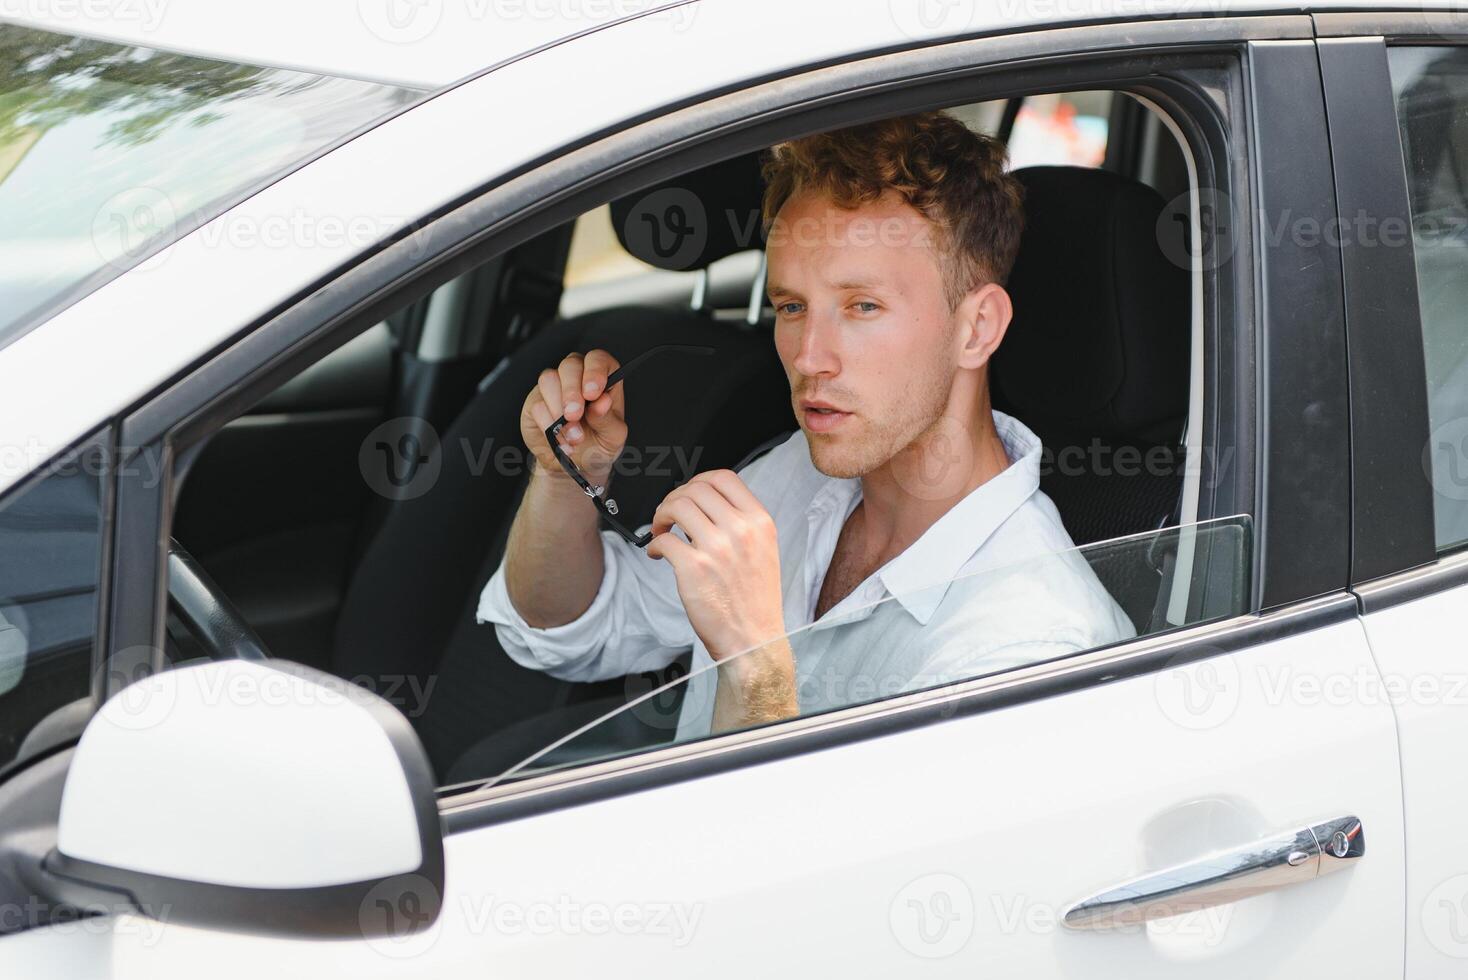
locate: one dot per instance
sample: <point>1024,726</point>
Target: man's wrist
<point>556,483</point>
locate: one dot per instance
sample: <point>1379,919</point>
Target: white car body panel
<point>1419,651</point>
<point>1051,801</point>
<point>414,43</point>
<point>133,334</point>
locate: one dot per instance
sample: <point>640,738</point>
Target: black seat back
<point>408,616</point>
<point>1096,359</point>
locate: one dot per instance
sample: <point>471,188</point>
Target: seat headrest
<point>1099,342</point>
<point>694,219</point>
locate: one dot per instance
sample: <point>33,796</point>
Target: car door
<point>954,831</point>
<point>959,833</point>
<point>1403,202</point>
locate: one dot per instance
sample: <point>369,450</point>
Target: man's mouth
<point>822,417</point>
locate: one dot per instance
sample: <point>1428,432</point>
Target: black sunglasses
<point>606,505</point>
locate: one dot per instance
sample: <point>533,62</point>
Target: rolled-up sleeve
<point>635,622</point>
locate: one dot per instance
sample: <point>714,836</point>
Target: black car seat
<point>1096,362</point>
<point>409,610</point>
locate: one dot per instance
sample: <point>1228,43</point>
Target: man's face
<point>863,327</point>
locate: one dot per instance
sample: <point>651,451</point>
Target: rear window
<point>109,151</point>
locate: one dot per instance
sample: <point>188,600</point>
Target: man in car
<point>888,245</point>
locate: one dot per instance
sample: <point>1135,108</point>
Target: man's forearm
<point>756,687</point>
<point>553,560</point>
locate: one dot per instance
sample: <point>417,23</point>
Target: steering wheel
<point>210,616</point>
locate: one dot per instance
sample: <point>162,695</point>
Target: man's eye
<point>866,307</point>
<point>789,309</point>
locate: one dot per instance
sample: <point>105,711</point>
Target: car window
<point>1431,89</point>
<point>107,150</point>
<point>596,254</point>
<point>50,540</point>
<point>1054,129</point>
<point>868,653</point>
<point>1060,129</point>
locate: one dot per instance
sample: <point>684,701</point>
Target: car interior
<point>302,511</point>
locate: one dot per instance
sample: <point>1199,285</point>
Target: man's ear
<point>983,317</point>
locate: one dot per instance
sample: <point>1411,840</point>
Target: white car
<point>275,278</point>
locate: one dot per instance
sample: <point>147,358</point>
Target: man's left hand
<point>728,570</point>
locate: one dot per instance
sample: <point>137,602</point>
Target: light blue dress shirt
<point>995,583</point>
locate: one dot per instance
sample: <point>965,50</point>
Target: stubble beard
<point>901,425</point>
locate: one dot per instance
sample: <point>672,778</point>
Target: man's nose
<point>817,353</point>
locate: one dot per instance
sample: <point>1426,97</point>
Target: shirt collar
<point>919,577</point>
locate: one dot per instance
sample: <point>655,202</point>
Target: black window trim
<point>447,244</point>
<point>1395,554</point>
<point>1391,522</point>
<point>102,442</point>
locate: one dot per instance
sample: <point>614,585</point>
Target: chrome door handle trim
<point>1284,859</point>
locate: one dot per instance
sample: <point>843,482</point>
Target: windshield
<point>867,654</point>
<point>108,152</point>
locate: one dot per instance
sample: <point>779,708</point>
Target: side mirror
<point>259,796</point>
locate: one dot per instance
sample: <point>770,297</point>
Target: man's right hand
<point>596,426</point>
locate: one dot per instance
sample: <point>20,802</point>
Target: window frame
<point>101,441</point>
<point>1395,557</point>
<point>1230,60</point>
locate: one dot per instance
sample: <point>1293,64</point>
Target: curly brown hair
<point>954,176</point>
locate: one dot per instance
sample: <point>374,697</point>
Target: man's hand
<point>596,426</point>
<point>729,569</point>
<point>555,535</point>
<point>728,575</point>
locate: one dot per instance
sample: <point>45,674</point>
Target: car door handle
<point>1274,862</point>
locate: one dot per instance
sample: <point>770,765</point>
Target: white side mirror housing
<point>261,796</point>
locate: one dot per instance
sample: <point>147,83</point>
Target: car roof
<point>421,44</point>
<point>216,286</point>
<point>428,44</point>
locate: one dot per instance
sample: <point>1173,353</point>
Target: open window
<point>410,439</point>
